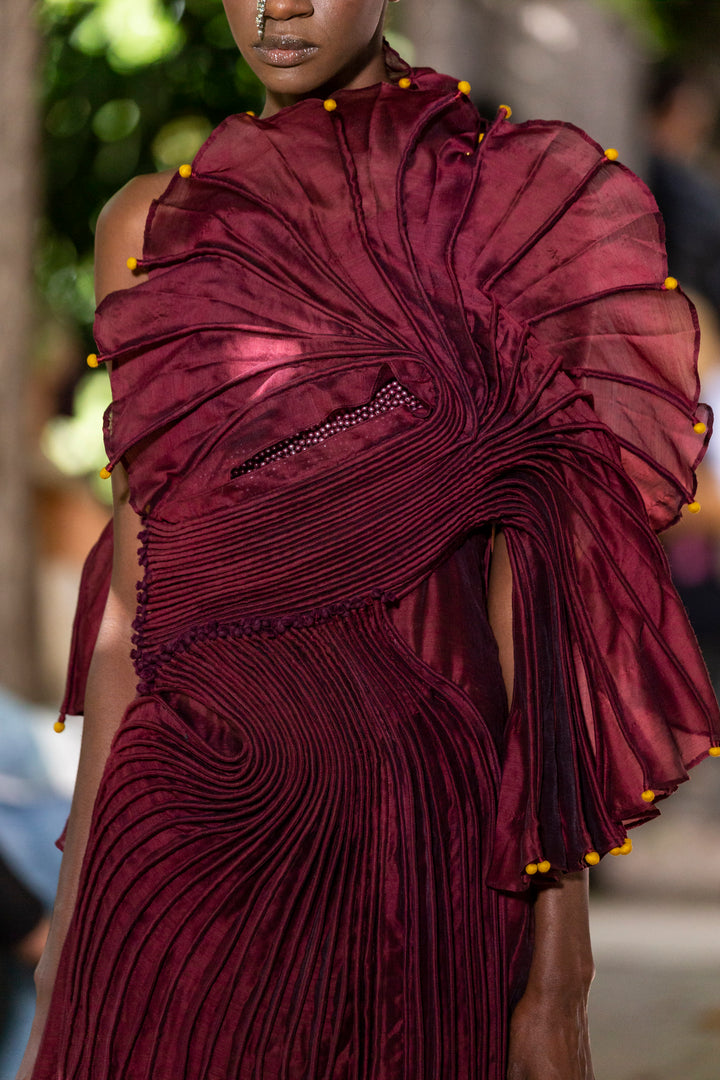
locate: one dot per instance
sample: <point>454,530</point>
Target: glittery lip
<point>283,50</point>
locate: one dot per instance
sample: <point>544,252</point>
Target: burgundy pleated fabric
<point>369,336</point>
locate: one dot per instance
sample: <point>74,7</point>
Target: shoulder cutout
<point>120,232</point>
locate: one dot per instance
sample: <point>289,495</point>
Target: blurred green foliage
<point>129,86</point>
<point>687,31</point>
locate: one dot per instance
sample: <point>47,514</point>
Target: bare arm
<point>549,1034</point>
<point>111,678</point>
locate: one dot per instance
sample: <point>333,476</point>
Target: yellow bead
<point>481,136</point>
<point>700,428</point>
<point>694,507</point>
<point>92,360</point>
<point>58,726</point>
<point>132,263</point>
<point>249,112</point>
<point>612,154</point>
<point>105,473</point>
<point>670,283</point>
<point>330,104</point>
<point>543,866</point>
<point>648,796</point>
<point>714,751</point>
<point>508,111</point>
<point>616,851</point>
<point>464,87</point>
<point>405,83</point>
<point>185,171</point>
<point>626,847</point>
<point>531,868</point>
<point>592,858</point>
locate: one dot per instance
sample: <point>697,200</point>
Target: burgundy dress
<point>369,334</point>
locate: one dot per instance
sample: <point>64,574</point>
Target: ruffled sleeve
<point>92,598</point>
<point>591,434</point>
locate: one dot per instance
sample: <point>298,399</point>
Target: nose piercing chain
<point>260,18</point>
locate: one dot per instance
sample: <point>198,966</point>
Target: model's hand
<point>549,1038</point>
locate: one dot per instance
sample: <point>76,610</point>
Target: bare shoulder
<point>120,231</point>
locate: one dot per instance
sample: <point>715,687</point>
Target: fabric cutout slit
<point>391,395</point>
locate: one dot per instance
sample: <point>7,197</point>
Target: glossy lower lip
<point>285,57</point>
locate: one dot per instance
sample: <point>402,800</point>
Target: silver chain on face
<point>260,17</point>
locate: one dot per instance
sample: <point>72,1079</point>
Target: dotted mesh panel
<point>391,395</point>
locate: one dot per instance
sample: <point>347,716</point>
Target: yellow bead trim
<point>104,473</point>
<point>670,283</point>
<point>616,851</point>
<point>700,428</point>
<point>648,796</point>
<point>92,360</point>
<point>464,87</point>
<point>543,867</point>
<point>330,104</point>
<point>714,751</point>
<point>508,111</point>
<point>132,263</point>
<point>58,726</point>
<point>249,112</point>
<point>592,858</point>
<point>481,136</point>
<point>531,868</point>
<point>694,507</point>
<point>612,154</point>
<point>626,847</point>
<point>185,171</point>
<point>405,83</point>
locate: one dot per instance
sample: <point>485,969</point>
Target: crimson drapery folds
<point>520,292</point>
<point>289,704</point>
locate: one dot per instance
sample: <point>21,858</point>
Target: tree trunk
<point>18,171</point>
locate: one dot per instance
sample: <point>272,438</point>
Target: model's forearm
<point>562,961</point>
<point>549,1037</point>
<point>110,688</point>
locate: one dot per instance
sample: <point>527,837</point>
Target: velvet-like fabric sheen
<point>308,851</point>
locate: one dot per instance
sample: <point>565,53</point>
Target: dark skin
<point>549,1035</point>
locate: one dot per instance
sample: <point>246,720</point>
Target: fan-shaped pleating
<point>570,245</point>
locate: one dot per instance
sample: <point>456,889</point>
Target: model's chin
<point>303,80</point>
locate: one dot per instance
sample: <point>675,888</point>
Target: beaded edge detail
<point>148,661</point>
<point>144,669</point>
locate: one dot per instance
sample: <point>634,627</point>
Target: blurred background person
<point>683,113</point>
<point>35,780</point>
